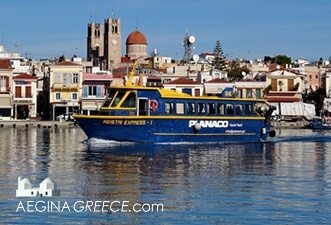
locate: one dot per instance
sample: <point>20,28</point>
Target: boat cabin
<point>147,101</point>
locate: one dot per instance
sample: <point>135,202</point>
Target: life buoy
<point>153,104</point>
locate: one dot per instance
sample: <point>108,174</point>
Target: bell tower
<point>112,43</point>
<point>95,46</point>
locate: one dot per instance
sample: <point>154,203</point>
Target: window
<point>75,78</point>
<point>180,108</point>
<point>248,110</point>
<point>18,92</point>
<point>4,84</point>
<point>201,108</point>
<point>211,108</point>
<point>169,107</point>
<point>92,90</point>
<point>110,96</point>
<point>28,92</point>
<point>220,109</point>
<point>229,109</point>
<point>190,108</point>
<point>258,93</point>
<point>130,101</point>
<point>249,93</point>
<point>58,96</point>
<point>118,98</point>
<point>74,96</point>
<point>239,110</point>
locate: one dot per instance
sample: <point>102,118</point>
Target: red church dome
<point>136,37</point>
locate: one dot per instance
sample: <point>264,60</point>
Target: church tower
<point>112,43</point>
<point>95,43</point>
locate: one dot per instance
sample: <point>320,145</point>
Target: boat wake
<point>104,143</point>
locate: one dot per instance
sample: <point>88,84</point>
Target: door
<point>143,109</point>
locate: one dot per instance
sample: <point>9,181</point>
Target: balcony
<point>65,87</point>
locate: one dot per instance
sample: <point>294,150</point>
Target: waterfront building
<point>285,85</point>
<point>24,96</point>
<point>6,79</point>
<point>93,94</point>
<point>65,87</point>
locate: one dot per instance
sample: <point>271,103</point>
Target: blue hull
<point>158,130</point>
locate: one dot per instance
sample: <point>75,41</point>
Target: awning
<point>5,102</point>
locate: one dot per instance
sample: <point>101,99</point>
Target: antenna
<point>188,46</point>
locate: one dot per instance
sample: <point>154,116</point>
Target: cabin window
<point>107,102</point>
<point>220,109</point>
<point>201,108</point>
<point>118,98</point>
<point>211,108</point>
<point>111,94</point>
<point>130,101</point>
<point>180,108</point>
<point>239,109</point>
<point>229,109</point>
<point>249,110</point>
<point>190,108</point>
<point>169,107</point>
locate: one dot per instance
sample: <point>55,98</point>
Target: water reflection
<point>214,183</point>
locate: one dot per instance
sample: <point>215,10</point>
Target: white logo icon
<point>47,188</point>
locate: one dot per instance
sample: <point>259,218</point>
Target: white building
<point>46,188</point>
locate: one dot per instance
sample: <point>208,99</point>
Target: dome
<point>136,37</point>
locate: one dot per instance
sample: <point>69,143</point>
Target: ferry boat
<point>157,115</point>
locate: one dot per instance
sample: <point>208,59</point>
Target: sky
<point>245,28</point>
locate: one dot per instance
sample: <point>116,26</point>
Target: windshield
<point>118,98</point>
<point>110,96</point>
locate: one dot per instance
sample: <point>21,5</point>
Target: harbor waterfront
<point>284,181</point>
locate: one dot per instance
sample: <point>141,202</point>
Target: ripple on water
<point>284,181</point>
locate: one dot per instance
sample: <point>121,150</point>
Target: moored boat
<point>319,123</point>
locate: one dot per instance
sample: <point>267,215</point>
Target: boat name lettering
<point>125,122</point>
<point>210,123</point>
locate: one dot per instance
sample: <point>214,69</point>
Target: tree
<point>283,60</point>
<point>236,71</point>
<point>316,98</point>
<point>62,58</point>
<point>279,59</point>
<point>219,60</point>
